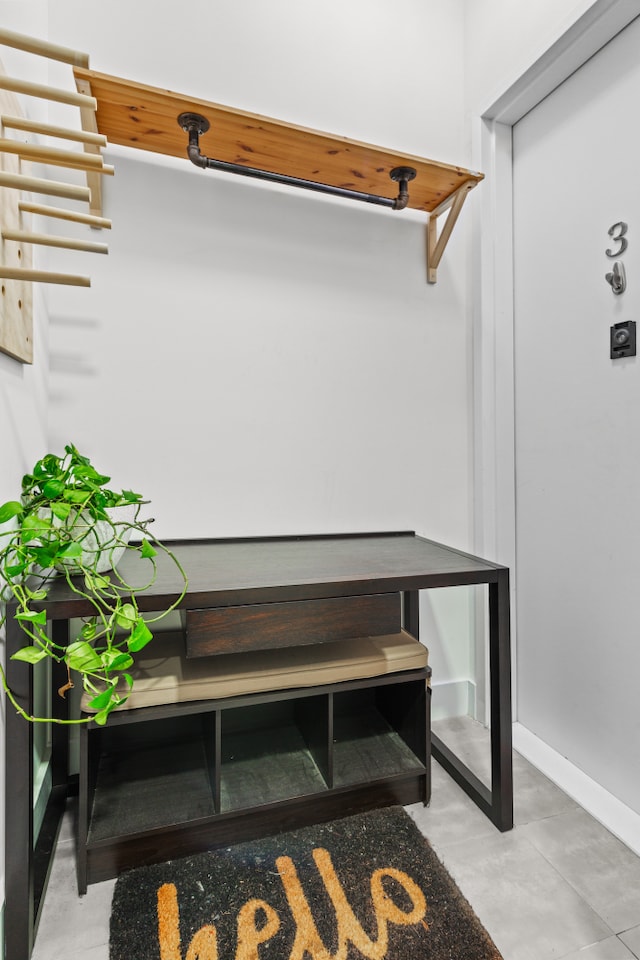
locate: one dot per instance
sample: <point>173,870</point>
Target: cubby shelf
<point>171,780</point>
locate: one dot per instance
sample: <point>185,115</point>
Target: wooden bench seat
<point>162,674</point>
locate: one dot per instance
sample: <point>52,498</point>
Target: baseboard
<point>616,816</point>
<point>456,698</point>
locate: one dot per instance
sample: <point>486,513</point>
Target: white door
<point>576,174</point>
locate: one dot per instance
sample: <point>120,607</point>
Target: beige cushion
<point>163,675</point>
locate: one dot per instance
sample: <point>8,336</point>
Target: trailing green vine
<point>69,524</point>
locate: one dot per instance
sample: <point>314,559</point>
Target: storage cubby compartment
<point>148,775</point>
<point>272,752</point>
<point>379,732</point>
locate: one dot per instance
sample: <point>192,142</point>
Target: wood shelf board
<point>144,117</point>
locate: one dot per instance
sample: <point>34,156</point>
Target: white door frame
<point>492,277</point>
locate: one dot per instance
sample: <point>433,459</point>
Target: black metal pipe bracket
<point>195,125</point>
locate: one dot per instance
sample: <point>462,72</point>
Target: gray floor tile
<point>451,815</point>
<point>632,939</point>
<point>535,796</point>
<point>601,868</point>
<point>70,925</point>
<point>610,949</point>
<point>470,741</point>
<point>531,912</point>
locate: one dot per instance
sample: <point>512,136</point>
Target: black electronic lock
<point>623,339</point>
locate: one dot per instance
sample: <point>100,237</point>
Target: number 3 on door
<point>617,233</point>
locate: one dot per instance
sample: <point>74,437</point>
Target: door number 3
<point>617,233</point>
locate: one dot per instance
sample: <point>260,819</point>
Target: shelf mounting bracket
<point>436,244</point>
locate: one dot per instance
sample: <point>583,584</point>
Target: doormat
<point>366,886</point>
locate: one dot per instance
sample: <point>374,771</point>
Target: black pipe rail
<point>195,125</point>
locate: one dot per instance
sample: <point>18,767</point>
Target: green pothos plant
<point>69,524</point>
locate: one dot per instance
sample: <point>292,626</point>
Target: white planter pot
<point>103,541</point>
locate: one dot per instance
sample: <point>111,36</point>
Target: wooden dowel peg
<point>49,130</point>
<point>52,188</point>
<point>43,210</point>
<point>44,48</point>
<point>71,159</point>
<point>47,93</point>
<point>43,276</point>
<point>48,240</point>
<point>35,151</point>
<point>103,170</point>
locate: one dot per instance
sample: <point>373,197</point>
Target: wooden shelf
<point>135,115</point>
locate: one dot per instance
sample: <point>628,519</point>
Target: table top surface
<point>262,570</point>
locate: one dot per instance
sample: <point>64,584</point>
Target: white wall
<point>266,361</point>
<point>300,373</point>
<point>504,38</point>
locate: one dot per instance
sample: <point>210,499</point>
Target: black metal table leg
<point>28,863</point>
<point>500,698</point>
<point>496,801</point>
<point>19,908</point>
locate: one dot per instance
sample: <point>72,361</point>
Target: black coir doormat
<point>367,886</point>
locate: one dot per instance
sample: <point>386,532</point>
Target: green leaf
<point>101,717</point>
<point>76,496</point>
<point>89,630</point>
<point>102,700</point>
<point>70,551</point>
<point>53,489</point>
<point>75,455</point>
<point>116,660</point>
<point>15,569</point>
<point>10,509</point>
<point>32,616</point>
<point>30,654</point>
<point>51,463</point>
<point>146,550</point>
<point>44,556</point>
<point>82,657</point>
<point>37,594</point>
<point>32,523</point>
<point>140,636</point>
<point>61,509</point>
<point>126,616</point>
<point>131,497</point>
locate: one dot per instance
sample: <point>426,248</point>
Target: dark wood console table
<point>239,572</point>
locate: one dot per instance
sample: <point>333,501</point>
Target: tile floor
<point>557,886</point>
